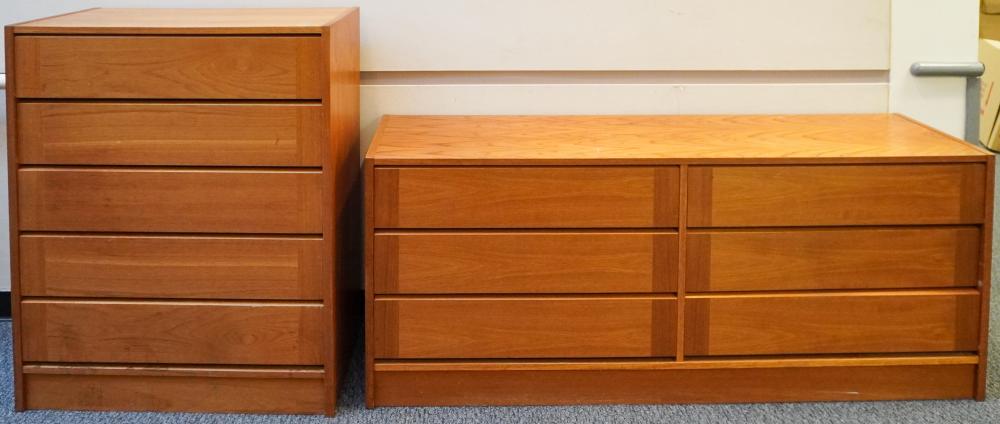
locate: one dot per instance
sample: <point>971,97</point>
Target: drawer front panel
<point>525,262</point>
<point>832,259</point>
<point>171,267</point>
<point>182,393</point>
<point>536,197</point>
<point>169,200</point>
<point>168,67</point>
<point>172,332</point>
<point>524,327</point>
<point>864,322</point>
<point>169,134</point>
<point>731,196</point>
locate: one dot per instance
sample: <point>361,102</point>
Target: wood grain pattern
<point>261,88</point>
<point>66,199</point>
<point>553,197</point>
<point>858,258</point>
<point>985,278</point>
<point>369,278</point>
<point>525,262</point>
<point>175,67</point>
<point>638,386</point>
<point>551,327</point>
<point>131,21</point>
<point>652,364</point>
<point>171,267</point>
<point>12,215</point>
<point>170,134</point>
<point>818,323</point>
<point>835,195</point>
<point>342,202</point>
<point>882,204</point>
<point>179,392</point>
<point>566,140</point>
<point>260,371</point>
<point>172,332</point>
<point>682,238</point>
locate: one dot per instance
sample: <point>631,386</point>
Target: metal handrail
<point>971,71</point>
<point>947,69</point>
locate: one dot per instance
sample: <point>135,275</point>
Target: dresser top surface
<point>649,139</point>
<point>165,21</point>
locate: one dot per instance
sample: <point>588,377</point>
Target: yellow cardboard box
<point>989,26</point>
<point>990,6</point>
<point>989,133</point>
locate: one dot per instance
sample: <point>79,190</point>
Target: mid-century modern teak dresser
<point>179,186</point>
<point>645,259</point>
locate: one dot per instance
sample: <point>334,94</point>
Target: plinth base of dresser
<point>175,389</point>
<point>472,383</point>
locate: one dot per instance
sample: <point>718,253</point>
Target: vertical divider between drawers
<point>682,208</point>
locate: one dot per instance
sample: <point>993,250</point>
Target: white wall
<point>598,56</point>
<point>406,35</point>
<point>923,30</point>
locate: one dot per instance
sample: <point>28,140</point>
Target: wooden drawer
<point>170,134</point>
<point>169,67</point>
<point>525,262</point>
<point>176,389</point>
<point>537,327</point>
<point>832,259</point>
<point>172,332</point>
<point>156,200</point>
<point>171,267</point>
<point>811,323</point>
<point>526,197</point>
<point>747,196</point>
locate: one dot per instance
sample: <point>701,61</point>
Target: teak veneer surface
<point>184,189</point>
<point>458,140</point>
<point>843,258</point>
<point>693,363</point>
<point>204,267</point>
<point>709,385</point>
<point>540,327</point>
<point>213,21</point>
<point>818,258</point>
<point>528,197</point>
<point>170,200</point>
<point>526,262</point>
<point>171,134</point>
<point>825,323</point>
<point>181,332</point>
<point>169,67</point>
<point>762,196</point>
<point>181,392</point>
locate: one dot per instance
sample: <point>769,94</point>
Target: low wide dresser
<point>180,191</point>
<point>517,260</point>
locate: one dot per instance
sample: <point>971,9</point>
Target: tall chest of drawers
<point>657,259</point>
<point>181,186</point>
